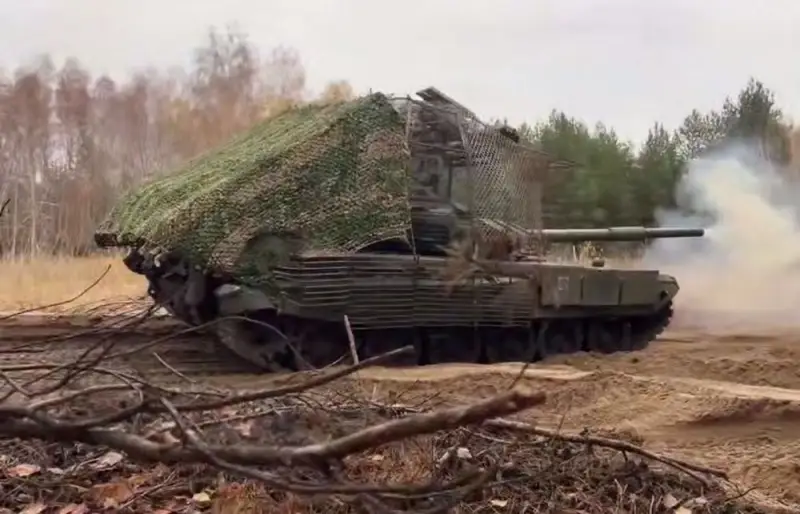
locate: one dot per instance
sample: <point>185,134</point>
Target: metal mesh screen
<point>507,181</point>
<point>459,160</point>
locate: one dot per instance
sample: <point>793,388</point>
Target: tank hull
<point>515,311</point>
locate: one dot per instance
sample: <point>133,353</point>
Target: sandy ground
<point>731,401</point>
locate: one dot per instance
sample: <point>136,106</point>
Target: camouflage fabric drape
<point>327,178</point>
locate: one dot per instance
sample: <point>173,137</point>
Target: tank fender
<point>669,288</point>
<point>234,300</point>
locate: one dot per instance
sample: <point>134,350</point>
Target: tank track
<point>314,344</point>
<point>279,343</point>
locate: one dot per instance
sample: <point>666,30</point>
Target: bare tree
<point>70,144</point>
<point>337,91</point>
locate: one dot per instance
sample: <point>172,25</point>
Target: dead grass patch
<point>33,282</point>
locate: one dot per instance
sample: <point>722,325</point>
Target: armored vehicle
<point>383,221</point>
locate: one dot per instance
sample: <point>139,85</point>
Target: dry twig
<point>307,438</point>
<point>51,412</point>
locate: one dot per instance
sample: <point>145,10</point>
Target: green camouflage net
<point>316,179</point>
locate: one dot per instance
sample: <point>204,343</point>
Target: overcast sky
<point>625,62</point>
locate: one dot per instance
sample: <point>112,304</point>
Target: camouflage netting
<point>318,178</point>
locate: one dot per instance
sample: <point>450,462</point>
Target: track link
<point>311,344</point>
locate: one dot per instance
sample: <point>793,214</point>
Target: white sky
<point>624,62</point>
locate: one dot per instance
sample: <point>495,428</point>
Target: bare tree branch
<point>317,437</point>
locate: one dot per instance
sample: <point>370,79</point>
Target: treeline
<point>617,184</point>
<point>71,142</point>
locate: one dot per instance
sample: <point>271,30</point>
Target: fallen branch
<point>54,430</point>
<point>614,444</point>
<point>310,437</point>
<point>50,413</point>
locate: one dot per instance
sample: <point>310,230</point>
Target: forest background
<point>71,143</point>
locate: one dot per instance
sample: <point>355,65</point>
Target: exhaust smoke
<point>745,273</point>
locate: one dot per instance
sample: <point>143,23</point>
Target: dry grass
<point>29,283</point>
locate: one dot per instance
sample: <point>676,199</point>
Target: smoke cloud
<point>745,273</point>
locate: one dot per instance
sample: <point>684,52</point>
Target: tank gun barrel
<point>570,235</point>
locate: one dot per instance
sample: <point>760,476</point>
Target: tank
<point>383,221</point>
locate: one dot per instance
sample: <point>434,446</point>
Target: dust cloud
<point>745,273</point>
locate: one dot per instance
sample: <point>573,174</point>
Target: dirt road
<point>730,401</point>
